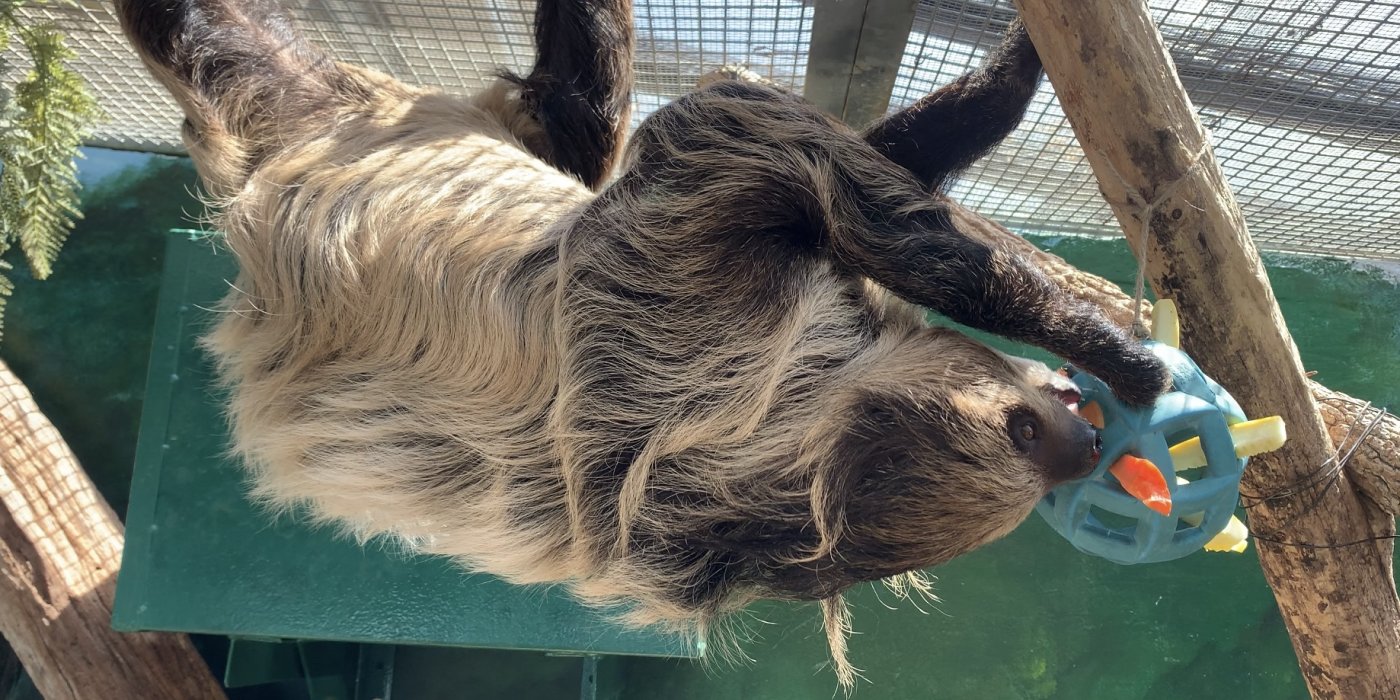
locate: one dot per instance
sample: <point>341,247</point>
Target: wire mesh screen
<point>679,42</point>
<point>1302,98</point>
<point>140,114</point>
<point>456,45</point>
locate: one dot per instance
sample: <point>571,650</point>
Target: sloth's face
<point>965,416</point>
<point>940,473</point>
<point>1047,429</point>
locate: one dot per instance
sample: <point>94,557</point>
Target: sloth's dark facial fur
<point>907,499</point>
<point>709,383</point>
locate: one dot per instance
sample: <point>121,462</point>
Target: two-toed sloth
<point>705,382</point>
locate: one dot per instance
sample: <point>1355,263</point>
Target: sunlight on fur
<point>705,382</point>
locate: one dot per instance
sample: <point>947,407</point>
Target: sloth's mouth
<point>1065,390</point>
<point>1069,397</point>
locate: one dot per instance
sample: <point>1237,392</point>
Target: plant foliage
<point>45,113</point>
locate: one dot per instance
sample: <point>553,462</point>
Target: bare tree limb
<point>1322,546</point>
<point>60,550</point>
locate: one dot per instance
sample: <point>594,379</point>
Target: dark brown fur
<point>705,385</point>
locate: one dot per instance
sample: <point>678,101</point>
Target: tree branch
<point>1321,545</point>
<point>60,550</point>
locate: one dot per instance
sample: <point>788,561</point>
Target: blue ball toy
<point>1099,517</point>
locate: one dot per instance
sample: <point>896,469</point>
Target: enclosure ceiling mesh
<point>1302,96</point>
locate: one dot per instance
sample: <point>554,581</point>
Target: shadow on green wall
<point>80,340</point>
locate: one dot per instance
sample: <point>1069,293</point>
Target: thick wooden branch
<point>60,550</point>
<point>1141,135</point>
<point>1375,468</point>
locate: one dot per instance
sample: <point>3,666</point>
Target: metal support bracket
<point>603,678</point>
<point>856,49</point>
<point>331,670</point>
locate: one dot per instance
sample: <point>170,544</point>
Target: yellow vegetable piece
<point>1166,325</point>
<point>1250,437</point>
<point>1234,538</point>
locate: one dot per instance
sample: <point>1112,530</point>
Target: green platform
<point>200,558</point>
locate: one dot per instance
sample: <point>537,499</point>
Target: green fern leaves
<point>44,118</point>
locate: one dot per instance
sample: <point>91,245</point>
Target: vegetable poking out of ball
<point>1234,538</point>
<point>1093,413</point>
<point>1143,481</point>
<point>1166,324</point>
<point>1250,438</point>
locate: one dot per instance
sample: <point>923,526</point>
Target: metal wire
<point>1302,96</point>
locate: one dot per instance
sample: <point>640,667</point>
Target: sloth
<point>704,379</point>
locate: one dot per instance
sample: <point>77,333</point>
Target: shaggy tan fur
<point>683,394</point>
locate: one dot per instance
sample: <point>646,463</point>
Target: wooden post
<point>60,550</point>
<point>1121,93</point>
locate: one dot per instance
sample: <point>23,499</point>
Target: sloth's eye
<point>1024,431</point>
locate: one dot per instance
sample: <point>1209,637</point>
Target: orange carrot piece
<point>1141,479</point>
<point>1093,413</point>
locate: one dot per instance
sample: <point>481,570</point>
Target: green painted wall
<point>80,340</point>
<point>1027,617</point>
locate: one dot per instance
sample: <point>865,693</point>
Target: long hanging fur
<point>705,385</point>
